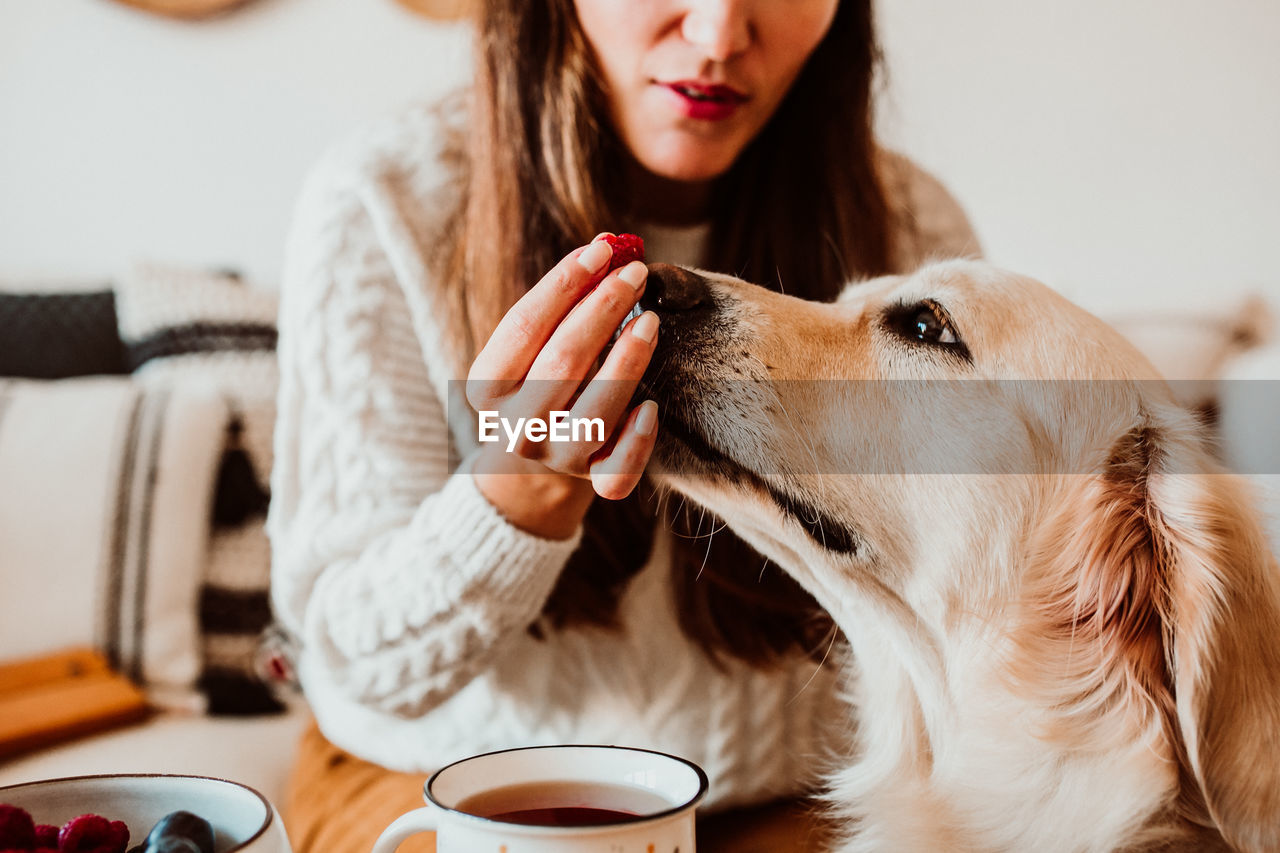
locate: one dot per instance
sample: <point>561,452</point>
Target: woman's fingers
<point>569,357</point>
<point>609,392</point>
<point>536,361</point>
<point>618,467</point>
<point>576,345</point>
<point>530,323</point>
<point>602,403</point>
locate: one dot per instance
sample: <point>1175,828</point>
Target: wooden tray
<point>59,697</point>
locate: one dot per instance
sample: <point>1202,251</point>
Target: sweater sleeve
<point>399,577</point>
<point>929,224</point>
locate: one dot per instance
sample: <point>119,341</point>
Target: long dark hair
<point>802,209</point>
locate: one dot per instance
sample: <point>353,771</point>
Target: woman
<point>452,599</point>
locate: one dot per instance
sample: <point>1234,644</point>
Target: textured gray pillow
<point>59,335</point>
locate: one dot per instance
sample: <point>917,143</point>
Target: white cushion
<point>255,751</point>
<point>104,522</point>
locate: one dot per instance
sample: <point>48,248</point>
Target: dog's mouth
<point>679,382</point>
<point>684,451</point>
<point>681,447</point>
<point>697,377</point>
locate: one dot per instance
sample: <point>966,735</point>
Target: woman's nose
<point>718,28</point>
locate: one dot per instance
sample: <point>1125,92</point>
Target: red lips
<point>708,101</point>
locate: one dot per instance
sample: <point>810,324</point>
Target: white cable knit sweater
<point>410,592</point>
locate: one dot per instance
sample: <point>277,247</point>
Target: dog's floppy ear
<point>1096,602</point>
<point>1224,603</point>
<point>1160,566</point>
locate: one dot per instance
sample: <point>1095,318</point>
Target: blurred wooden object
<point>788,826</point>
<point>436,10</point>
<point>32,672</point>
<point>187,9</point>
<point>58,697</point>
<point>440,10</point>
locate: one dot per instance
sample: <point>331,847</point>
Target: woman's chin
<point>690,167</point>
<point>687,157</point>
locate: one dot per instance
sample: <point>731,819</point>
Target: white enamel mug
<point>674,785</point>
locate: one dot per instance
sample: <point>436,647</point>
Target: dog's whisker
<point>835,632</point>
<point>714,529</point>
<point>829,239</point>
<point>706,557</point>
<point>807,443</point>
<point>698,534</point>
<point>702,516</point>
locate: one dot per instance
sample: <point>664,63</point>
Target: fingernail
<point>646,327</point>
<point>647,418</point>
<point>602,235</point>
<point>634,273</point>
<point>595,256</point>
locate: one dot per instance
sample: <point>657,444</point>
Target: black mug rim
<point>703,785</point>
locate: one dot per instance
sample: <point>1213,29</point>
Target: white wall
<point>1123,150</point>
<point>125,135</point>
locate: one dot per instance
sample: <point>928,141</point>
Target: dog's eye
<point>928,328</point>
<point>925,322</point>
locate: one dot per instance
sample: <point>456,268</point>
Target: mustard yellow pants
<point>337,803</point>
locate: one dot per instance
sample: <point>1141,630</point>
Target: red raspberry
<point>46,836</point>
<point>17,829</point>
<point>91,833</point>
<point>626,248</point>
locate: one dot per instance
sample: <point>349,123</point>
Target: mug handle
<point>409,823</point>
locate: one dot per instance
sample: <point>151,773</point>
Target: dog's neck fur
<point>968,772</point>
<point>951,755</point>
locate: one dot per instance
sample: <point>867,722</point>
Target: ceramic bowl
<point>242,819</point>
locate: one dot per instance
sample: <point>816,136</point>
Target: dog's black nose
<point>671,289</point>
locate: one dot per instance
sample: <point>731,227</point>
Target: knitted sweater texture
<point>411,594</point>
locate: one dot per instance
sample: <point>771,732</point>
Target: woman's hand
<point>537,362</point>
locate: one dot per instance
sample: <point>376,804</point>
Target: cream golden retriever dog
<point>1063,619</point>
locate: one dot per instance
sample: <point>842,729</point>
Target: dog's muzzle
<point>686,309</point>
<point>674,290</point>
<point>682,371</point>
<point>669,290</point>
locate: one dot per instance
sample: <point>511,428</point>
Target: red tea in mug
<point>564,804</point>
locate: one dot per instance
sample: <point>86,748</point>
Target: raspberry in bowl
<point>243,820</point>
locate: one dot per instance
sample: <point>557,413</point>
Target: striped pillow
<point>183,327</point>
<point>104,523</point>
